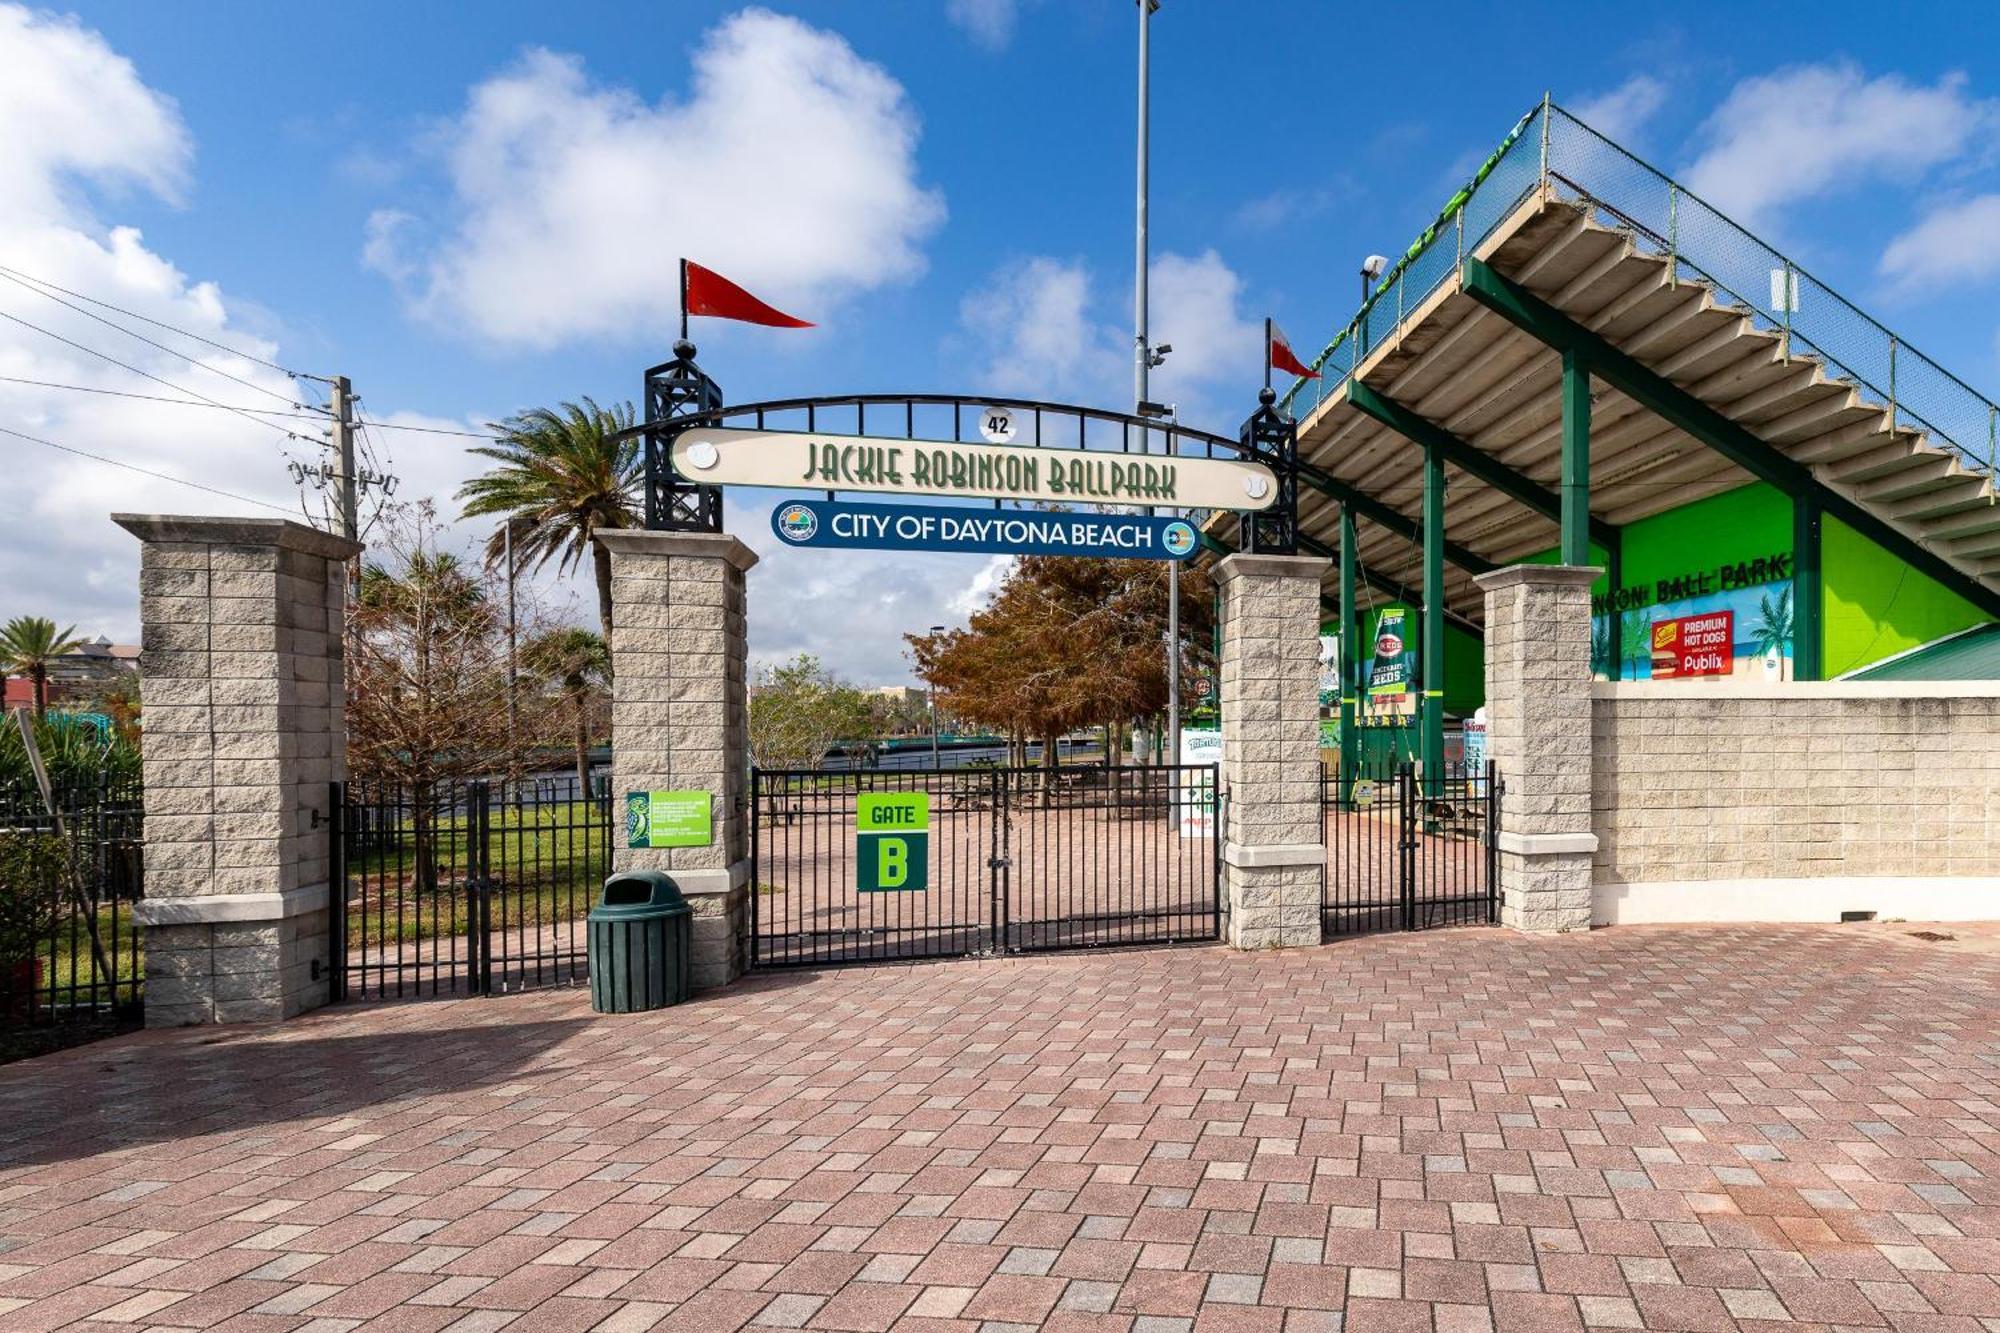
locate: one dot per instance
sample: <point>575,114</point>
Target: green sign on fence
<point>668,819</point>
<point>892,841</point>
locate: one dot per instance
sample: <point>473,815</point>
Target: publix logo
<point>1178,538</point>
<point>797,523</point>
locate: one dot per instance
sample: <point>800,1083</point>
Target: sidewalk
<point>1672,1128</point>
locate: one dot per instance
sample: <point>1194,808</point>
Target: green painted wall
<point>1464,658</point>
<point>1877,606</point>
<point>1751,521</point>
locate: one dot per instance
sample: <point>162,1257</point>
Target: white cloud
<point>1958,242</point>
<point>850,609</point>
<point>1829,128</point>
<point>1033,320</point>
<point>76,121</point>
<point>1622,112</point>
<point>990,23</point>
<point>791,167</point>
<point>75,110</point>
<point>1045,328</point>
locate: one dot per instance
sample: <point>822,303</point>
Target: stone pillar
<point>1275,853</point>
<point>1538,733</point>
<point>680,718</point>
<point>241,680</point>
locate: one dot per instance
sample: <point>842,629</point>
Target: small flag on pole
<point>1278,354</point>
<point>706,292</point>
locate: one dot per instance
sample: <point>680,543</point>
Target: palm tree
<point>561,478</point>
<point>579,662</point>
<point>1772,630</point>
<point>29,645</point>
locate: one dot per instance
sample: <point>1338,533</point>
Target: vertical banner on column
<point>892,842</point>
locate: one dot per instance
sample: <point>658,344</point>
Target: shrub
<point>31,865</point>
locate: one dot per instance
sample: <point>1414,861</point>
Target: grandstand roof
<point>1623,254</point>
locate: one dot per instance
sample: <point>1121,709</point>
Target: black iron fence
<point>1403,853</point>
<point>996,860</point>
<point>464,887</point>
<point>69,948</point>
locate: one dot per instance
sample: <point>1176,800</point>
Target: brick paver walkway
<point>1688,1129</point>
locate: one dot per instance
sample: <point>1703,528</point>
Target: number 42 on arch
<point>892,841</point>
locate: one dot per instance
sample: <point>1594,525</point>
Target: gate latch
<point>999,863</point>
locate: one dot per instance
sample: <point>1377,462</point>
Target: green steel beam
<point>1808,592</point>
<point>1381,583</point>
<point>1575,520</point>
<point>1469,458</point>
<point>1390,588</point>
<point>1350,648</point>
<point>1385,516</point>
<point>1682,409</point>
<point>1430,704</point>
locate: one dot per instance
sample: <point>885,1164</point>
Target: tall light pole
<point>1144,358</point>
<point>930,682</point>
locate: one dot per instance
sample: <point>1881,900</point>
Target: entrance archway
<point>781,876</point>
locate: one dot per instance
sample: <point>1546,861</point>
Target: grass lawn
<point>547,864</point>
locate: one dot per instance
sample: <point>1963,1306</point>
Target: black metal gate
<point>467,888</point>
<point>1017,860</point>
<point>1403,854</point>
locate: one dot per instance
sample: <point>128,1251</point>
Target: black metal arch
<point>679,396</point>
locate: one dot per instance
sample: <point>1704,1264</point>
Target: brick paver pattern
<point>1685,1129</point>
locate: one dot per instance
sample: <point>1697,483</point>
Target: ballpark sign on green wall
<point>892,841</point>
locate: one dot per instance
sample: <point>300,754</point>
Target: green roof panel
<point>1971,655</point>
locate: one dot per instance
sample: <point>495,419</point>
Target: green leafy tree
<point>577,663</point>
<point>799,711</point>
<point>559,479</point>
<point>29,645</point>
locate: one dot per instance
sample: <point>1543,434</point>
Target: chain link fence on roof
<point>1551,149</point>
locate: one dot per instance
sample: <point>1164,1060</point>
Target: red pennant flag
<point>706,292</point>
<point>1279,355</point>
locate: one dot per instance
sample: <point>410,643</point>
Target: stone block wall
<point>1732,800</point>
<point>1538,709</point>
<point>241,682</point>
<point>680,718</point>
<point>1275,852</point>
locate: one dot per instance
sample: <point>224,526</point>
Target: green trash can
<point>639,944</point>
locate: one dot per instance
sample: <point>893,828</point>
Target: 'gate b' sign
<point>892,841</point>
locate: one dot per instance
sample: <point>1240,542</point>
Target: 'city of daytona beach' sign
<point>720,455</point>
<point>970,530</point>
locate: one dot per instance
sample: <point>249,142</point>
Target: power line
<point>305,412</point>
<point>18,274</point>
<point>123,365</point>
<point>143,471</point>
<point>433,430</point>
<point>160,346</point>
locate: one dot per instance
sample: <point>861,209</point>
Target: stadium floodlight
<point>1371,268</point>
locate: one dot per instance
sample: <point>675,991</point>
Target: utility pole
<point>346,481</point>
<point>1143,361</point>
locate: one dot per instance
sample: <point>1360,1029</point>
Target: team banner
<point>722,455</point>
<point>830,524</point>
<point>1392,674</point>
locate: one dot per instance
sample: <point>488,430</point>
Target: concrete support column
<point>1276,848</point>
<point>246,728</point>
<point>1538,733</point>
<point>680,718</point>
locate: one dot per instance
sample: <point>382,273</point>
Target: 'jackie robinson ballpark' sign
<point>721,455</point>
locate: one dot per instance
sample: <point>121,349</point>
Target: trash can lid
<point>639,893</point>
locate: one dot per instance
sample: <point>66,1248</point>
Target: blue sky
<point>471,213</point>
